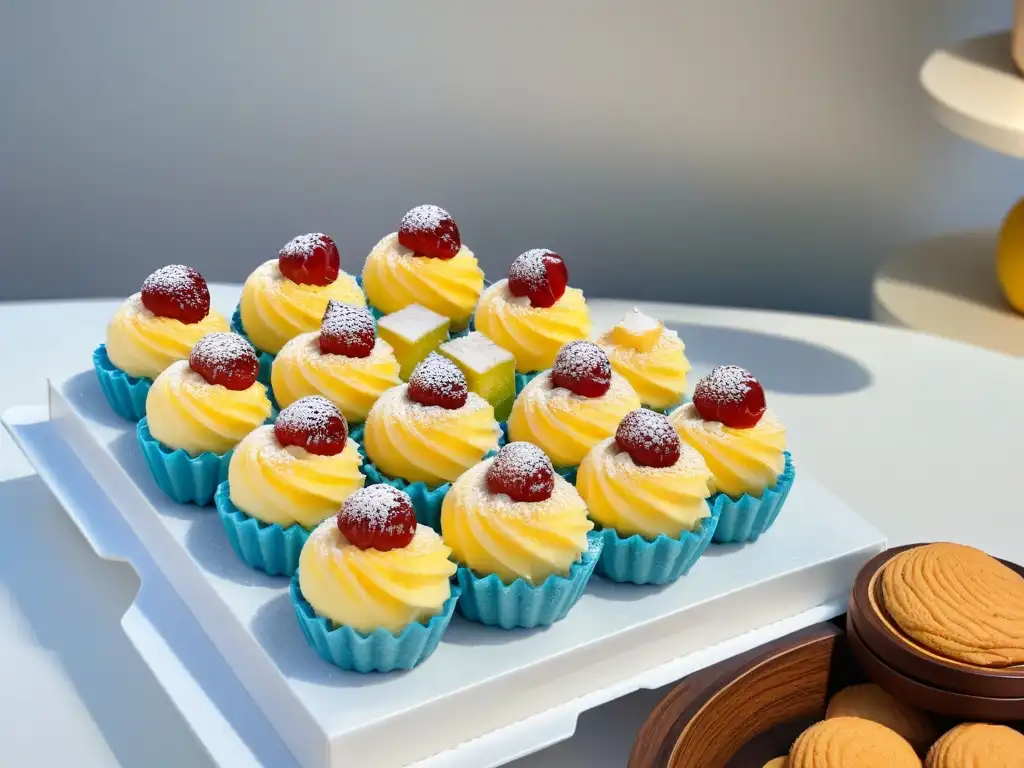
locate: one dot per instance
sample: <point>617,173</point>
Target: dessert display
<point>519,533</point>
<point>977,745</point>
<point>851,742</point>
<point>423,435</point>
<point>413,333</point>
<point>424,262</point>
<point>372,591</point>
<point>651,357</point>
<point>568,410</point>
<point>870,702</point>
<point>284,479</point>
<point>647,492</point>
<point>287,296</point>
<point>532,313</point>
<point>197,411</point>
<point>490,370</point>
<point>152,329</point>
<point>744,445</point>
<point>344,361</point>
<point>957,603</point>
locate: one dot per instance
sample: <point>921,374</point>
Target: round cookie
<point>958,602</point>
<point>777,762</point>
<point>870,702</point>
<point>851,742</point>
<point>977,744</point>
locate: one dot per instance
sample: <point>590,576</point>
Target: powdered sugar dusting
<point>426,218</point>
<point>529,269</point>
<point>523,466</point>
<point>725,384</point>
<point>583,360</point>
<point>183,283</point>
<point>439,376</point>
<point>304,245</point>
<point>315,416</point>
<point>222,353</point>
<point>477,352</point>
<point>478,500</point>
<point>637,322</point>
<point>380,508</point>
<point>648,429</point>
<point>413,323</point>
<point>347,322</point>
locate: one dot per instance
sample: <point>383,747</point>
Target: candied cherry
<point>313,423</point>
<point>178,292</point>
<point>430,231</point>
<point>225,359</point>
<point>438,381</point>
<point>378,517</point>
<point>582,367</point>
<point>648,438</point>
<point>311,259</point>
<point>347,330</point>
<point>731,395</point>
<point>539,274</point>
<point>523,472</point>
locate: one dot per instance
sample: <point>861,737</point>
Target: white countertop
<point>913,431</point>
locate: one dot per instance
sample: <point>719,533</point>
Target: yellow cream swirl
<point>491,533</point>
<point>351,383</point>
<point>143,345</point>
<point>659,375</point>
<point>288,485</point>
<point>428,444</point>
<point>644,500</point>
<point>367,589</point>
<point>274,309</point>
<point>565,425</point>
<point>533,334</point>
<point>394,278</point>
<point>741,460</point>
<point>184,411</point>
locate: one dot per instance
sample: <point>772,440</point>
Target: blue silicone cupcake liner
<point>635,560</point>
<point>522,379</point>
<point>126,394</point>
<point>186,479</point>
<point>379,651</point>
<point>569,473</point>
<point>272,549</point>
<point>355,431</point>
<point>746,518</point>
<point>426,501</point>
<point>266,359</point>
<point>490,601</point>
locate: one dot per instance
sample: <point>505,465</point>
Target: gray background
<point>715,151</point>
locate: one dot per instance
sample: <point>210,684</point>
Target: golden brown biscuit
<point>777,762</point>
<point>851,742</point>
<point>977,745</point>
<point>872,703</point>
<point>958,602</point>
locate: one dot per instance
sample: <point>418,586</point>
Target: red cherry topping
<point>378,517</point>
<point>347,330</point>
<point>648,438</point>
<point>540,274</point>
<point>225,359</point>
<point>583,368</point>
<point>731,395</point>
<point>523,472</point>
<point>430,231</point>
<point>178,292</point>
<point>310,259</point>
<point>438,381</point>
<point>313,423</point>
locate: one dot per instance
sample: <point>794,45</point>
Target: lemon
<point>1010,256</point>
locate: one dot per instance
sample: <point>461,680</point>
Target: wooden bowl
<point>960,706</point>
<point>879,632</point>
<point>709,717</point>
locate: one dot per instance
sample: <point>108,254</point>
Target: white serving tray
<point>486,696</point>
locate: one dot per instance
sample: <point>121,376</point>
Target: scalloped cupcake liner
<point>635,560</point>
<point>488,600</point>
<point>379,651</point>
<point>426,501</point>
<point>270,548</point>
<point>185,479</point>
<point>266,359</point>
<point>746,518</point>
<point>126,394</point>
